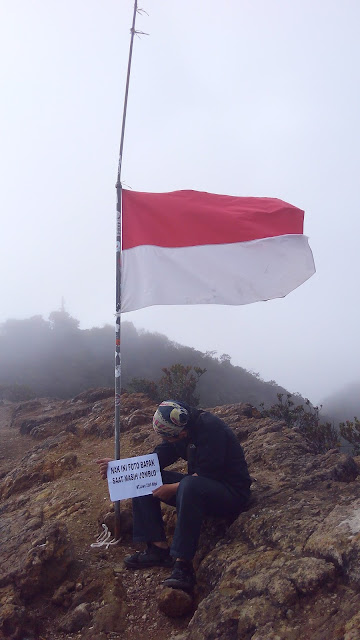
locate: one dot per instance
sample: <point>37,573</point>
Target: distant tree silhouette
<point>225,358</point>
<point>55,358</point>
<point>61,322</point>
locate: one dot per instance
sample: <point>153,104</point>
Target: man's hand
<point>166,491</point>
<point>103,465</point>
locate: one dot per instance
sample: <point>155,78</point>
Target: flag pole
<point>118,275</point>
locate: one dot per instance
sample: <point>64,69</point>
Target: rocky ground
<point>287,569</point>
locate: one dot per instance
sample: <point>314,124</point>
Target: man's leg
<point>195,498</point>
<point>148,527</point>
<point>148,524</point>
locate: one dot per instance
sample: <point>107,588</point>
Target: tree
<point>61,322</point>
<point>225,358</point>
<point>179,382</point>
<point>210,354</point>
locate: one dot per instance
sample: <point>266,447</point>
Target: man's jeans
<point>196,497</point>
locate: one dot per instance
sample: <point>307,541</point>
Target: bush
<point>305,418</point>
<point>141,385</point>
<point>178,382</point>
<point>351,432</point>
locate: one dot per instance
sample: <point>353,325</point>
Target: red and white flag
<point>191,247</point>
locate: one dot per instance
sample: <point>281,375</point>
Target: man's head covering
<point>170,418</point>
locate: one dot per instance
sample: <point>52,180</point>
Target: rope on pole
<point>118,274</point>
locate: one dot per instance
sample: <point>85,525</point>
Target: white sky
<point>242,97</point>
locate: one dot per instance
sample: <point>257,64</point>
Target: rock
<point>91,428</point>
<point>93,395</point>
<point>212,531</point>
<point>35,560</point>
<point>90,592</point>
<point>46,562</point>
<point>111,616</point>
<point>137,438</point>
<point>126,520</point>
<point>67,462</point>
<point>138,417</point>
<point>175,603</point>
<point>90,634</point>
<point>337,539</point>
<point>285,569</point>
<point>333,466</point>
<point>27,426</point>
<point>274,571</point>
<point>352,628</point>
<point>13,614</point>
<point>76,619</point>
<point>256,587</point>
<point>26,408</point>
<point>41,426</point>
<point>63,595</point>
<point>36,469</point>
<point>98,407</point>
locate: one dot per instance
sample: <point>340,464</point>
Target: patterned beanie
<point>170,418</point>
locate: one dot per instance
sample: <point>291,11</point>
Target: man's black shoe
<point>153,556</point>
<point>182,577</point>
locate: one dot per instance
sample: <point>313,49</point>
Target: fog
<point>248,98</point>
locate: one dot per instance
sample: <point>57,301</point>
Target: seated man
<point>217,484</point>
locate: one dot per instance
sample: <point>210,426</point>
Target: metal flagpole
<point>118,276</point>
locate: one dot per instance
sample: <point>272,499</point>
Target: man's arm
<point>166,491</point>
<point>211,451</point>
<point>169,452</point>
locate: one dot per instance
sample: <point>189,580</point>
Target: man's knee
<point>188,488</point>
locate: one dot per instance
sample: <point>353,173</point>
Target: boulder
<point>76,619</point>
<point>175,603</point>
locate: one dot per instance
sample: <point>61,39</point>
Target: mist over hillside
<point>54,358</point>
<point>344,404</point>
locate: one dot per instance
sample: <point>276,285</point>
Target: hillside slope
<point>288,568</point>
<point>65,360</point>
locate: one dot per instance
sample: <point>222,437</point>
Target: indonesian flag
<point>191,247</point>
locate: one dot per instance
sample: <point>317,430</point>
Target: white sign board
<point>133,477</point>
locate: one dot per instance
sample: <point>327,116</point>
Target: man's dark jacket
<point>212,451</point>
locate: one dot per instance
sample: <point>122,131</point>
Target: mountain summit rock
<point>286,569</point>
